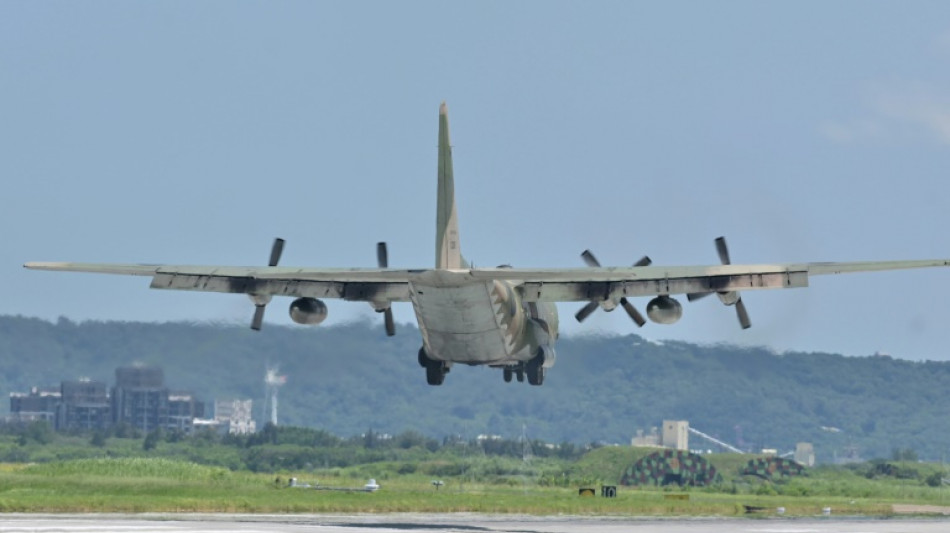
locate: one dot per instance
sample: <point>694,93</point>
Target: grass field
<point>164,485</point>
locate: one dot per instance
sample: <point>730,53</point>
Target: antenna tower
<point>272,383</point>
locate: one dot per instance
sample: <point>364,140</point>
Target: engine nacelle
<point>728,298</point>
<point>664,310</point>
<point>308,311</point>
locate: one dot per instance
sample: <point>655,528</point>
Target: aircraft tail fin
<point>448,253</point>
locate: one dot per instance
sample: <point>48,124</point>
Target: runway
<point>463,522</point>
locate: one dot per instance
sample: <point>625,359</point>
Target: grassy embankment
<point>163,485</point>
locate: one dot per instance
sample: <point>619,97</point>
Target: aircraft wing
<point>356,284</point>
<point>551,284</point>
<point>591,284</point>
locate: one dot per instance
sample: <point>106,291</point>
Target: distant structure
<point>646,441</point>
<point>805,454</point>
<point>676,434</point>
<point>139,399</point>
<point>84,406</point>
<point>183,410</point>
<point>671,467</point>
<point>772,468</point>
<point>38,404</point>
<point>714,440</point>
<point>272,383</point>
<point>235,416</point>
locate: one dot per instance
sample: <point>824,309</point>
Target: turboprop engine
<point>308,311</point>
<point>664,310</point>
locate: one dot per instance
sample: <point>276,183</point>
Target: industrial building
<point>139,399</point>
<point>675,435</point>
<point>84,405</point>
<point>38,404</point>
<point>235,416</point>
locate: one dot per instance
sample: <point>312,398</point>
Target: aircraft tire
<point>535,370</point>
<point>506,374</point>
<point>423,358</point>
<point>435,373</point>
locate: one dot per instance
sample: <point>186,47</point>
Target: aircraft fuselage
<point>481,323</point>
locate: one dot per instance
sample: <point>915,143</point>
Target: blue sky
<point>196,132</point>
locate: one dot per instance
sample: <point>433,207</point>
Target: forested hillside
<point>352,378</point>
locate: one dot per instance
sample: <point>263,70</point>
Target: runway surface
<point>464,523</point>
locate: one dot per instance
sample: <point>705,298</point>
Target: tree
<point>98,439</point>
<point>152,439</point>
<point>904,454</point>
<point>39,431</point>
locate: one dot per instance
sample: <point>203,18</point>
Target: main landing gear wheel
<point>506,374</point>
<point>535,369</point>
<point>435,370</point>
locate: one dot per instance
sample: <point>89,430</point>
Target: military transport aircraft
<point>501,317</point>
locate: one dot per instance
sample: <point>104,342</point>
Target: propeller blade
<point>743,315</point>
<point>275,252</point>
<point>632,311</point>
<point>586,311</point>
<point>693,296</point>
<point>723,250</point>
<point>258,319</point>
<point>390,325</point>
<point>643,262</point>
<point>382,255</point>
<point>589,258</point>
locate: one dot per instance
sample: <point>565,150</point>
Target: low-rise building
<point>38,404</point>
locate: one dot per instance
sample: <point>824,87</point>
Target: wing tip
<point>40,265</point>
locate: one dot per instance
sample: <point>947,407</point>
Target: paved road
<point>457,523</point>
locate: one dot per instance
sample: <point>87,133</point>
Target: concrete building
<point>805,454</point>
<point>84,406</point>
<point>676,434</point>
<point>646,441</point>
<point>183,409</point>
<point>140,398</point>
<point>236,415</point>
<point>38,404</point>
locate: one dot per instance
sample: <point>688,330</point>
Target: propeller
<point>382,259</point>
<point>592,306</point>
<point>728,298</point>
<point>261,300</point>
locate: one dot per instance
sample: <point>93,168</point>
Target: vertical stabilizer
<point>447,251</point>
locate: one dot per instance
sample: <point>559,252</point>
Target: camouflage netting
<point>773,468</point>
<point>670,467</point>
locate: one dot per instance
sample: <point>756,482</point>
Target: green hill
<point>347,379</point>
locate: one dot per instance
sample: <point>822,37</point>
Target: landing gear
<point>435,370</point>
<point>535,369</point>
<point>516,371</point>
